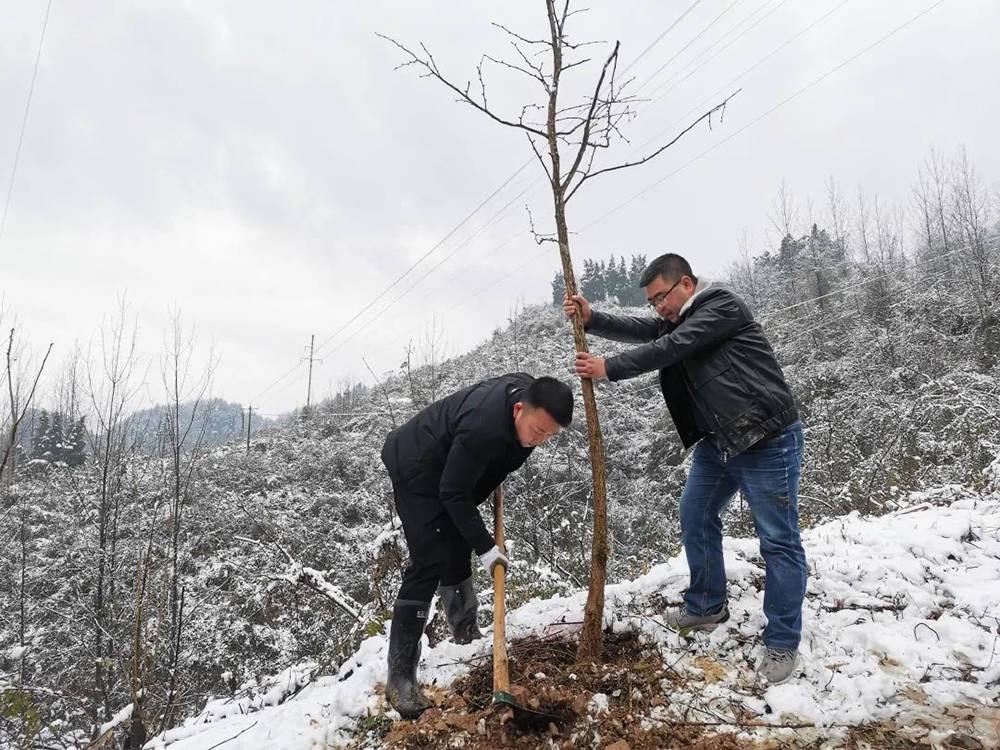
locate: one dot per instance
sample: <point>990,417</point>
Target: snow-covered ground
<point>901,622</point>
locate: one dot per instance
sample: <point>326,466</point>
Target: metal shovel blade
<point>524,716</point>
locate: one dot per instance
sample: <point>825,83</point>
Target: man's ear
<point>518,408</point>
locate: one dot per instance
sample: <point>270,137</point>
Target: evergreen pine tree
<point>613,282</point>
<point>76,444</point>
<point>602,283</point>
<point>57,438</point>
<point>558,289</point>
<point>637,265</point>
<point>41,437</point>
<point>624,287</point>
<point>822,261</point>
<point>590,281</point>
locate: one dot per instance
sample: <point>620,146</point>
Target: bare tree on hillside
<point>970,212</point>
<point>112,385</point>
<point>580,132</point>
<point>188,411</point>
<point>21,387</point>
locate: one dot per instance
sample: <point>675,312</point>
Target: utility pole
<point>312,341</point>
<point>309,387</point>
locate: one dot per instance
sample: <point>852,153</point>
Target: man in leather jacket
<point>443,463</point>
<point>727,395</point>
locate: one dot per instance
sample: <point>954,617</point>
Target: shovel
<point>501,674</point>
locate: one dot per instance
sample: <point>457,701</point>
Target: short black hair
<point>552,395</point>
<point>670,266</point>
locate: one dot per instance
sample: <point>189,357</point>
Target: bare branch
<point>538,154</point>
<point>431,67</point>
<point>612,60</point>
<point>518,36</point>
<point>539,237</point>
<point>536,67</point>
<point>534,75</point>
<point>707,115</point>
<point>482,83</point>
<point>563,17</point>
<point>578,62</point>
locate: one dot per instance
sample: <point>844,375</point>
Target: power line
<point>706,100</point>
<point>503,210</point>
<point>935,277</point>
<point>659,39</point>
<point>480,291</point>
<point>799,335</point>
<point>731,82</point>
<point>691,161</point>
<point>441,242</point>
<point>658,92</point>
<point>773,109</point>
<point>847,263</point>
<point>745,127</point>
<point>405,273</point>
<point>693,39</point>
<point>24,120</point>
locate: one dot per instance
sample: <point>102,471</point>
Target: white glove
<point>492,558</point>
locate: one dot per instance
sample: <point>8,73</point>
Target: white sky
<point>263,168</point>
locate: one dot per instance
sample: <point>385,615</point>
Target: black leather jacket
<point>451,455</point>
<point>718,372</point>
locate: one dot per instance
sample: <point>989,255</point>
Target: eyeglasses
<point>656,301</point>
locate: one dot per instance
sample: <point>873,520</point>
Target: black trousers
<point>439,555</point>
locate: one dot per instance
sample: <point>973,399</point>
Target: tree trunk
<point>591,648</point>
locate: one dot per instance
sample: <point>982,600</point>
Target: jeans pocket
<point>766,444</point>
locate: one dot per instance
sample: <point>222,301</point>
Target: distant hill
<point>219,421</point>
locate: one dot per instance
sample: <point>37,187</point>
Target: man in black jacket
<point>725,392</point>
<point>443,463</point>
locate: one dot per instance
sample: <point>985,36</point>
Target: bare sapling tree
<point>111,374</point>
<point>22,375</point>
<point>425,377</point>
<point>566,139</point>
<point>433,353</point>
<point>784,214</point>
<point>140,665</point>
<point>838,223</point>
<point>187,416</point>
<point>970,212</point>
<point>743,272</point>
<point>385,394</point>
<point>21,389</point>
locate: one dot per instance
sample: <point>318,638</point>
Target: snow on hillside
<point>901,628</point>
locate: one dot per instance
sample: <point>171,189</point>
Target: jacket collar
<point>704,285</point>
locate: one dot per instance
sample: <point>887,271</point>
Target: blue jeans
<point>768,476</point>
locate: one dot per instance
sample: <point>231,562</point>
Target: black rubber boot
<point>461,608</point>
<point>401,688</point>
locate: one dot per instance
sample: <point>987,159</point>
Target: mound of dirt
<point>595,705</point>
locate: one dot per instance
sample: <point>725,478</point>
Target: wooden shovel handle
<point>501,674</point>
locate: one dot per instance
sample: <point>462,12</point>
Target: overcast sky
<point>263,168</point>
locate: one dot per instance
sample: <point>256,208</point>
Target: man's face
<point>533,425</point>
<point>668,297</point>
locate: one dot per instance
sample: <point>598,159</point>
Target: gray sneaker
<point>778,664</point>
<point>679,619</point>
